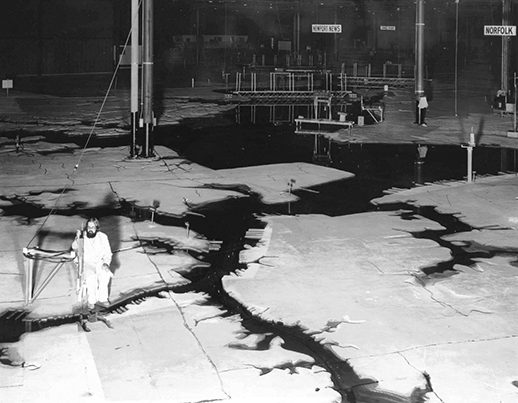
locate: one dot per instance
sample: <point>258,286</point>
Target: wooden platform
<point>312,126</point>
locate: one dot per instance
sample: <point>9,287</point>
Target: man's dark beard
<point>91,234</point>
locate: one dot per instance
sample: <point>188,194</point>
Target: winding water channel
<point>376,167</point>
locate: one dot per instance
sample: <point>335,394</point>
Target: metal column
<point>419,43</point>
<point>147,72</point>
<point>506,10</point>
<point>134,73</point>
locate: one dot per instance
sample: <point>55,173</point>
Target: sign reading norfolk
<point>500,30</point>
<point>326,28</point>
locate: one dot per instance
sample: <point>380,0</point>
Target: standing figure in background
<point>421,104</point>
<point>97,256</point>
<point>500,100</point>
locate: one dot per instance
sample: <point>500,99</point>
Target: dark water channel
<point>377,167</point>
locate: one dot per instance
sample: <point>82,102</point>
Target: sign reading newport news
<point>500,30</point>
<point>326,28</point>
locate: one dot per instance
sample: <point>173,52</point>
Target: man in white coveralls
<point>96,258</point>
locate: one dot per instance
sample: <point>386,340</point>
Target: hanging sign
<point>326,28</point>
<point>500,30</point>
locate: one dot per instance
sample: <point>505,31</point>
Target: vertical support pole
<point>134,73</point>
<point>28,264</point>
<point>470,164</point>
<point>335,36</point>
<point>506,9</point>
<point>515,101</point>
<point>456,52</point>
<point>297,33</point>
<point>147,66</point>
<point>198,36</point>
<point>419,39</point>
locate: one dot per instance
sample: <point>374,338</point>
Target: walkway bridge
<point>300,86</point>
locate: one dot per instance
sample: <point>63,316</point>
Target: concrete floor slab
<point>383,307</point>
<point>151,355</point>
